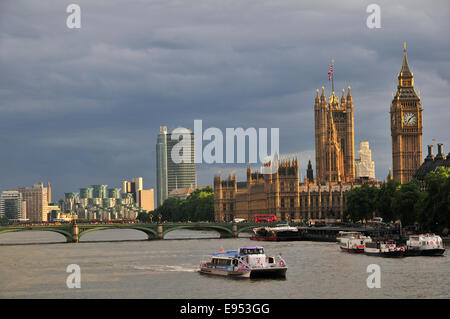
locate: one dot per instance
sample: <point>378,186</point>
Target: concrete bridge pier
<point>235,230</point>
<point>75,233</point>
<point>160,231</point>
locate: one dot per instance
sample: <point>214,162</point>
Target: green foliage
<point>384,200</point>
<point>405,201</point>
<point>393,201</point>
<point>199,206</point>
<point>361,203</point>
<point>4,220</point>
<point>434,205</point>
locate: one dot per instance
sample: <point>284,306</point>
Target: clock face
<point>409,119</point>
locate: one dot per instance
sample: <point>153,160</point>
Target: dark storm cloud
<point>82,107</point>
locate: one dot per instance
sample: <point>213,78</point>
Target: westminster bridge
<point>73,231</point>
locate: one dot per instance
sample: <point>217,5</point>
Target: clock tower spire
<point>406,125</point>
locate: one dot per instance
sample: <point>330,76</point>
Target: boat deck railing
<point>242,261</point>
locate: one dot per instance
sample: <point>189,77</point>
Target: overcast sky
<point>84,106</point>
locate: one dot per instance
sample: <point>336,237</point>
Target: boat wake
<point>166,268</point>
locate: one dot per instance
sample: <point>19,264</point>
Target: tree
<point>4,220</point>
<point>434,206</point>
<point>361,202</point>
<point>405,202</point>
<point>385,198</point>
<point>144,217</point>
<point>170,209</point>
<point>198,206</point>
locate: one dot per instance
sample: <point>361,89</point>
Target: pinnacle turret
<point>405,72</point>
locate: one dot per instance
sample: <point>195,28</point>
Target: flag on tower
<point>330,73</point>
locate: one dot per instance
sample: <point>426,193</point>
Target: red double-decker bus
<point>265,218</point>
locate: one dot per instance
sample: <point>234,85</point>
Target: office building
<point>12,205</point>
<point>161,166</point>
<point>365,167</point>
<point>180,173</point>
<point>36,202</point>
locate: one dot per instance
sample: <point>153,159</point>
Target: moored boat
<point>424,245</point>
<point>248,262</point>
<point>352,242</point>
<point>384,249</point>
<point>281,232</point>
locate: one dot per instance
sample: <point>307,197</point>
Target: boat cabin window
<point>252,251</point>
<point>221,261</point>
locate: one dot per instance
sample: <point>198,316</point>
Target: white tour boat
<point>248,262</point>
<point>384,249</point>
<point>352,242</point>
<point>424,245</point>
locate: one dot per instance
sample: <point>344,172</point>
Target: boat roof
<point>226,254</point>
<point>252,247</point>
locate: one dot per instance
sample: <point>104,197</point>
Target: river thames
<point>121,264</point>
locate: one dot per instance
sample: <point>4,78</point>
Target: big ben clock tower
<point>406,126</point>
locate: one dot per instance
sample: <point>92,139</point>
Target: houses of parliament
<point>322,197</point>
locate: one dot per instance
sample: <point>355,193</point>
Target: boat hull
<point>276,238</point>
<point>258,238</point>
<point>391,254</point>
<point>279,272</point>
<point>425,252</point>
<point>352,250</point>
<point>279,233</point>
<point>224,272</point>
<point>268,273</point>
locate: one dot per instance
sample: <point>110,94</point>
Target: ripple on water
<point>169,269</point>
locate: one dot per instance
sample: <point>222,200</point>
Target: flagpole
<point>332,74</point>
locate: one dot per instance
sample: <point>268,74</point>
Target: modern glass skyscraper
<point>161,166</point>
<point>180,175</point>
<point>12,205</point>
<point>171,173</point>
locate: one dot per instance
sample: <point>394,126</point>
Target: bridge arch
<point>245,228</point>
<point>223,231</point>
<point>65,233</point>
<point>151,234</point>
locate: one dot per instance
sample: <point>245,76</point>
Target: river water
<point>122,264</point>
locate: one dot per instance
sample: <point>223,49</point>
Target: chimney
<point>440,152</point>
<point>440,155</point>
<point>430,153</point>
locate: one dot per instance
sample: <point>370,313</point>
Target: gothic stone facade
<point>334,133</point>
<point>406,126</point>
<point>281,194</point>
